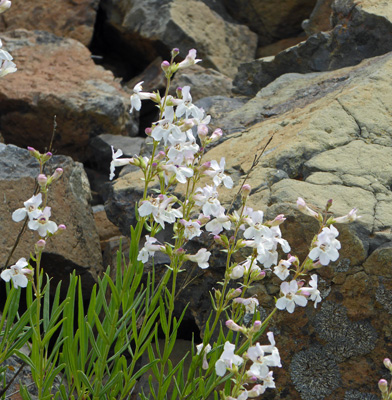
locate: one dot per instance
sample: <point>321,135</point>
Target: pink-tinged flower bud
<point>350,217</point>
<point>165,65</point>
<point>62,227</point>
<point>42,180</point>
<point>35,153</point>
<point>233,293</point>
<point>279,219</point>
<point>202,131</point>
<point>148,131</point>
<point>329,204</point>
<point>57,174</point>
<point>258,276</point>
<point>302,206</point>
<point>179,92</point>
<point>387,363</point>
<point>41,244</point>
<point>175,52</point>
<point>257,326</point>
<point>216,135</point>
<point>246,189</point>
<point>160,156</point>
<point>180,251</point>
<point>383,386</point>
<point>205,167</point>
<point>233,326</point>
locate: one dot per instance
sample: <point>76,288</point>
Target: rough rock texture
<point>56,76</point>
<point>154,27</point>
<point>68,18</point>
<point>331,139</point>
<point>320,18</point>
<point>271,20</point>
<point>204,82</point>
<point>77,248</point>
<point>359,32</point>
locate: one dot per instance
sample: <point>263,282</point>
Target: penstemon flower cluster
<point>38,214</point>
<point>180,138</point>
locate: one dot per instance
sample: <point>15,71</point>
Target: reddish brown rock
<point>73,19</point>
<point>77,248</point>
<point>57,77</point>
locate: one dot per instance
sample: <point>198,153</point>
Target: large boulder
<point>78,247</point>
<point>57,77</point>
<point>271,20</point>
<point>63,18</point>
<point>331,138</point>
<point>154,27</point>
<point>359,32</point>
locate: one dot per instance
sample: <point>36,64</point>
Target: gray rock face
<point>154,27</point>
<point>271,20</point>
<point>57,76</point>
<point>77,248</point>
<point>359,32</point>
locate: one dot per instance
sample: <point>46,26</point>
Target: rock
<point>358,33</point>
<point>331,139</point>
<point>56,77</point>
<point>106,230</point>
<point>271,20</point>
<point>64,18</point>
<point>275,48</point>
<point>204,82</point>
<point>320,18</point>
<point>77,248</point>
<point>100,149</point>
<point>153,27</point>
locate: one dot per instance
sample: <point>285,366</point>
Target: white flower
<point>216,171</point>
<point>160,209</point>
<point>303,207</point>
<point>291,297</point>
<point>138,96</point>
<point>4,5</point>
<point>182,173</point>
<point>261,361</point>
<point>219,223</point>
<point>166,130</point>
<point>227,359</point>
<point>190,59</point>
<point>201,257</point>
<point>207,198</point>
<point>312,291</point>
<point>250,304</point>
<point>350,217</point>
<point>7,67</point>
<point>30,209</point>
<point>282,269</point>
<point>118,162</point>
<point>327,246</point>
<point>149,249</point>
<point>42,223</point>
<point>239,270</point>
<point>17,273</point>
<point>192,229</point>
<point>182,152</point>
<point>186,107</point>
<point>206,350</point>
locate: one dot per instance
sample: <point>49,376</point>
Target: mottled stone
<point>57,77</point>
<point>68,18</point>
<point>359,32</point>
<point>154,27</point>
<point>77,248</point>
<point>271,20</point>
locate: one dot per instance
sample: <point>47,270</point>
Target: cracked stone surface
<point>359,32</point>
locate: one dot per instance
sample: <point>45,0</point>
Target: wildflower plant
<point>97,348</point>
